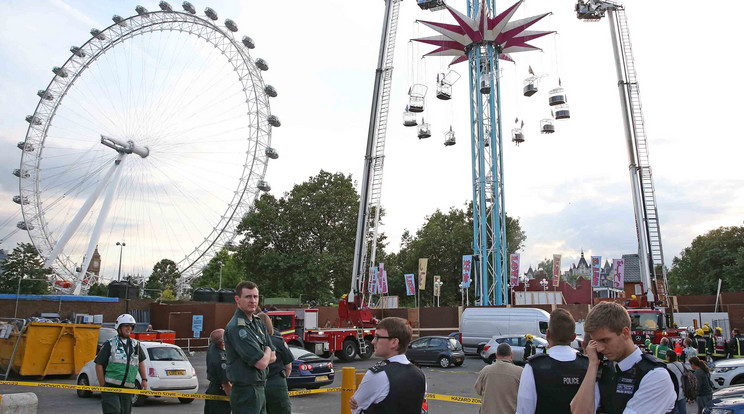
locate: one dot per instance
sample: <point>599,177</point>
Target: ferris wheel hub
<point>125,147</point>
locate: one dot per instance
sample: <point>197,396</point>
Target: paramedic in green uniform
<point>277,394</point>
<point>117,364</point>
<point>249,352</point>
<point>216,365</point>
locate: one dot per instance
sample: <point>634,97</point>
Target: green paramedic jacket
<point>245,341</point>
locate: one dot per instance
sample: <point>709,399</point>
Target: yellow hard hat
<point>718,329</point>
<point>633,296</point>
<point>699,332</point>
<point>528,337</point>
<point>705,324</point>
<point>706,328</point>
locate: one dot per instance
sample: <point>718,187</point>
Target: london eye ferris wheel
<point>156,132</point>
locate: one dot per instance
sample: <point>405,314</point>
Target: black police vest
<point>557,382</point>
<point>616,389</point>
<point>407,389</point>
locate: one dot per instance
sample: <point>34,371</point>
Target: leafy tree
<point>232,272</point>
<point>302,242</point>
<point>99,289</point>
<point>167,295</point>
<point>164,275</point>
<point>443,239</point>
<point>24,262</point>
<point>544,269</point>
<point>718,254</point>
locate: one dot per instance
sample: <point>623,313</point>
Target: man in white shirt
<point>630,382</point>
<point>549,382</point>
<point>393,385</point>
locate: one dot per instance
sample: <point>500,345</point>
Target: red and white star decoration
<point>508,36</point>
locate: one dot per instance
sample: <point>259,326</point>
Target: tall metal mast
<point>650,249</point>
<point>369,200</point>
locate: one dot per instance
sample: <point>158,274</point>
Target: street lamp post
<point>438,289</point>
<point>544,283</point>
<point>121,251</point>
<point>220,264</point>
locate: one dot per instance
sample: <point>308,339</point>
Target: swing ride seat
<point>409,118</point>
<point>557,97</point>
<point>530,89</point>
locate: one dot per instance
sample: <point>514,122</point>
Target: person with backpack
<point>676,368</point>
<point>702,375</point>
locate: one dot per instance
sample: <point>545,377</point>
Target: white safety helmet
<point>125,319</point>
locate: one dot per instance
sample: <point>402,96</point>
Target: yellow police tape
<point>441,397</point>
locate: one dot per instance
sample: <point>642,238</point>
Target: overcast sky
<point>570,189</point>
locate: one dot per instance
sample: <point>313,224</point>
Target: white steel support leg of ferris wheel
<point>78,284</point>
<point>75,223</point>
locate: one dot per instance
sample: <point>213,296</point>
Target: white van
<point>479,325</point>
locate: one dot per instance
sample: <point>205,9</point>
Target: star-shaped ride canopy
<point>508,36</point>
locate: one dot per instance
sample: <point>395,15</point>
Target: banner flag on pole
<point>596,269</point>
<point>467,263</point>
<point>556,269</point>
<point>436,285</point>
<point>422,273</point>
<point>373,280</point>
<point>619,273</point>
<point>382,281</point>
<point>514,269</point>
<point>410,284</point>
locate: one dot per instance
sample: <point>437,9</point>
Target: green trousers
<point>248,399</point>
<point>113,403</point>
<point>277,397</point>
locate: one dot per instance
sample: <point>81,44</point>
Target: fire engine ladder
<point>362,342</point>
<point>375,157</point>
<point>644,167</point>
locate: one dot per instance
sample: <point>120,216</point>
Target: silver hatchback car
<point>488,355</point>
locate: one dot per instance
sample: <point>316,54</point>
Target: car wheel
<point>370,350</point>
<point>138,400</point>
<point>349,350</point>
<point>738,381</point>
<point>83,380</point>
<point>185,400</point>
<point>444,362</point>
<point>491,358</point>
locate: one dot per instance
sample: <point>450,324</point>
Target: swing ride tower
<point>484,41</point>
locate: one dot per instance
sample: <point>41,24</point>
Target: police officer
<point>660,350</point>
<point>736,345</point>
<point>249,352</point>
<point>630,381</point>
<point>117,364</point>
<point>218,383</point>
<point>277,394</point>
<point>549,381</point>
<point>529,347</point>
<point>719,344</point>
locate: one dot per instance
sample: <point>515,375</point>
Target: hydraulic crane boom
<point>644,198</point>
<point>369,200</point>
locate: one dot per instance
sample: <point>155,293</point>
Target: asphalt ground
<point>452,381</point>
<point>457,381</point>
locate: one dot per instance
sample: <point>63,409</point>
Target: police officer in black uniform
<point>218,383</point>
<point>277,394</point>
<point>629,379</point>
<point>549,381</point>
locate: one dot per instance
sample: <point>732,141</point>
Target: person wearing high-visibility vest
<point>700,344</point>
<point>736,345</point>
<point>660,350</point>
<point>707,335</point>
<point>529,347</point>
<point>719,344</point>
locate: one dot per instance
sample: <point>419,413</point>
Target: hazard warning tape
<point>148,392</point>
<point>453,398</point>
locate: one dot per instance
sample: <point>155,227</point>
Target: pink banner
<point>514,269</point>
<point>372,282</point>
<point>382,280</point>
<point>619,273</point>
<point>556,269</point>
<point>596,269</point>
<point>410,284</point>
<point>467,264</point>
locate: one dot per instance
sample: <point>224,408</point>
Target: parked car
<point>436,350</point>
<point>728,372</point>
<point>488,355</point>
<point>726,401</point>
<point>479,325</point>
<point>104,334</point>
<point>167,367</point>
<point>309,370</point>
<point>578,344</point>
<point>455,335</point>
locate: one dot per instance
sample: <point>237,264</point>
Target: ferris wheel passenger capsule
<point>272,153</point>
<point>77,51</point>
<point>248,42</point>
<point>23,146</point>
<point>61,72</point>
<point>261,64</point>
<point>119,20</point>
<point>231,25</point>
<point>45,95</point>
<point>449,138</point>
<point>423,130</point>
<point>274,121</point>
<point>20,173</point>
<point>141,10</point>
<point>270,90</point>
<point>24,226</point>
<point>562,112</point>
<point>33,120</point>
<point>409,118</point>
<point>547,126</point>
<point>517,136</point>
<point>165,6</point>
<point>211,13</point>
<point>263,186</point>
<point>557,97</point>
<point>189,7</point>
<point>97,34</point>
<point>20,200</point>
